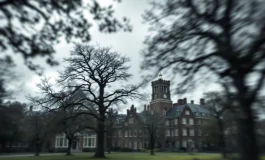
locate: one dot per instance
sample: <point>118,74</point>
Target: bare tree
<point>95,70</point>
<point>32,28</point>
<point>68,114</point>
<point>152,125</point>
<point>221,40</point>
<point>215,102</point>
<point>39,127</point>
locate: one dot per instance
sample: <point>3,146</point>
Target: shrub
<point>126,150</point>
<point>61,150</point>
<point>89,149</point>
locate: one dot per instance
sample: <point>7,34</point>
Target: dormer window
<point>187,112</point>
<point>177,113</point>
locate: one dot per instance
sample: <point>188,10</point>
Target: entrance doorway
<point>75,146</point>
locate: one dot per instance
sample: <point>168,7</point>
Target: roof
<point>199,111</point>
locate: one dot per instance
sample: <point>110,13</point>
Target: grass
<point>121,156</point>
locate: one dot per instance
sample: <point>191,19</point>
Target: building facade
<point>181,124</point>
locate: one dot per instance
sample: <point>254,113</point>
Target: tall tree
<point>152,125</point>
<point>222,40</point>
<point>100,74</point>
<point>215,102</point>
<point>32,28</point>
<point>39,126</point>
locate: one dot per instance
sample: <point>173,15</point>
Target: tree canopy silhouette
<point>32,28</point>
<point>222,41</point>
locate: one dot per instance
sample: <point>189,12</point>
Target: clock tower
<point>161,100</point>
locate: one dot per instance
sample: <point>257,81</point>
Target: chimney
<point>185,101</point>
<point>202,101</point>
<point>135,109</point>
<point>192,101</point>
<point>148,108</point>
<point>145,107</point>
<point>179,101</point>
<point>128,111</point>
<point>30,108</point>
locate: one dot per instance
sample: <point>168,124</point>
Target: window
<point>191,132</point>
<point>167,132</point>
<point>176,121</point>
<point>177,144</point>
<point>135,133</point>
<point>200,132</point>
<point>191,121</point>
<point>184,143</point>
<point>120,133</point>
<point>89,141</point>
<point>203,114</point>
<point>176,132</point>
<point>135,145</point>
<point>130,133</point>
<point>177,112</point>
<point>187,112</point>
<point>126,133</point>
<point>184,132</point>
<point>130,120</point>
<point>172,133</point>
<point>167,122</point>
<point>184,121</point>
<point>61,141</point>
<point>126,124</point>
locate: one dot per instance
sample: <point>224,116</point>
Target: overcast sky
<point>128,44</point>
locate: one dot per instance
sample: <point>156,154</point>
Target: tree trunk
<point>100,140</point>
<point>37,150</point>
<point>68,153</point>
<point>222,138</point>
<point>109,142</point>
<point>152,145</point>
<point>248,143</point>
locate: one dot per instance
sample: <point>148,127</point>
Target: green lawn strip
<point>121,156</point>
<point>118,156</point>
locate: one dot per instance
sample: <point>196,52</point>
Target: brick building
<point>181,124</point>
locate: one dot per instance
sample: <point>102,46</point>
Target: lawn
<point>118,156</point>
<point>121,156</point>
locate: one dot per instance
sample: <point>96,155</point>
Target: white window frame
<point>61,137</point>
<point>187,112</point>
<point>184,142</point>
<point>167,122</point>
<point>192,132</point>
<point>89,141</point>
<point>184,132</point>
<point>191,121</point>
<point>184,121</point>
<point>176,121</point>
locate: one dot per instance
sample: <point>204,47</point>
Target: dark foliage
<point>221,41</point>
<point>32,28</point>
